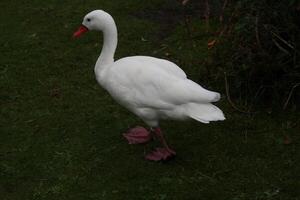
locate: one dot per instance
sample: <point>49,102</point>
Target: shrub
<point>257,49</point>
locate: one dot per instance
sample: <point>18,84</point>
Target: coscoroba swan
<point>151,88</point>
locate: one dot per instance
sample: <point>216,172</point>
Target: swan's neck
<point>110,40</point>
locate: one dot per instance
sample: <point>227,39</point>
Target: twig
<point>207,14</point>
<point>280,47</point>
<point>226,29</point>
<point>221,17</point>
<point>256,32</point>
<point>283,40</point>
<point>229,98</point>
<point>261,88</point>
<point>290,95</point>
<point>186,21</point>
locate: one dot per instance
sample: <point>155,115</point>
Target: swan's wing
<point>163,64</point>
<point>151,84</point>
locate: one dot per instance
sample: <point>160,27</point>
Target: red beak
<point>81,30</point>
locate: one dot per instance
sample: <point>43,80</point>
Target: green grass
<point>61,133</point>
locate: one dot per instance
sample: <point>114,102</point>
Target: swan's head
<point>96,20</point>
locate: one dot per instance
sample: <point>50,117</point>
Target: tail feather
<point>204,112</point>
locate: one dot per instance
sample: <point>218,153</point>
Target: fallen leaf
<point>211,44</point>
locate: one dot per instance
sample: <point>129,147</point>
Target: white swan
<point>151,88</point>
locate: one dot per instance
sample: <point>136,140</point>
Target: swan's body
<point>151,88</point>
<point>155,89</point>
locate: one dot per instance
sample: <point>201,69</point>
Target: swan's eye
<point>88,19</point>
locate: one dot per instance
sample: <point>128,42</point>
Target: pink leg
<point>137,135</point>
<point>163,153</point>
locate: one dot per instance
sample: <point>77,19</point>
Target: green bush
<point>258,51</point>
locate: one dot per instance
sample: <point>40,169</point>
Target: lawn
<point>61,133</point>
